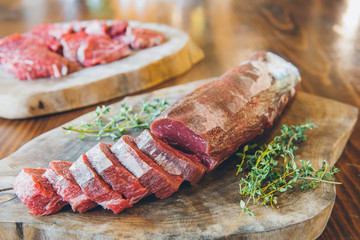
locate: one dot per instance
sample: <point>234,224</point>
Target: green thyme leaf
<point>264,180</point>
<point>127,118</point>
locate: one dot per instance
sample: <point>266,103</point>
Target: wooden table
<point>322,38</point>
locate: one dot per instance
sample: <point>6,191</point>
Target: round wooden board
<point>141,70</point>
<point>205,211</point>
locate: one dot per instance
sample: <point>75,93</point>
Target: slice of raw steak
<point>171,160</point>
<point>118,27</point>
<point>150,175</point>
<point>37,193</point>
<point>95,188</point>
<point>50,34</point>
<point>37,62</point>
<point>64,184</point>
<point>141,38</point>
<point>96,27</point>
<point>98,49</point>
<point>14,42</point>
<point>114,174</point>
<point>54,30</point>
<point>71,43</point>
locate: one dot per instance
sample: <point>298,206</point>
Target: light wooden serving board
<point>205,211</point>
<point>141,70</point>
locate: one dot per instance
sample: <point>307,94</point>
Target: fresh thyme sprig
<point>272,169</point>
<point>127,118</point>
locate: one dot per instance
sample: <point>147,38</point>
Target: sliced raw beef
<point>37,193</point>
<point>96,27</point>
<point>99,49</point>
<point>71,43</point>
<point>215,119</point>
<point>150,175</point>
<point>144,38</point>
<point>171,160</point>
<point>95,188</point>
<point>114,174</point>
<point>49,41</point>
<point>13,43</point>
<point>118,28</point>
<point>50,34</point>
<point>65,186</point>
<point>54,30</point>
<point>37,62</point>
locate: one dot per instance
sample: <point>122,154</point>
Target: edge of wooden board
<point>141,70</point>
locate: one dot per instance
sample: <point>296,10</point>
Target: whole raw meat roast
<point>192,136</point>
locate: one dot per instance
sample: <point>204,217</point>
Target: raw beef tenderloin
<point>216,118</point>
<point>114,174</point>
<point>95,188</point>
<point>37,193</point>
<point>170,159</point>
<point>150,175</point>
<point>64,184</point>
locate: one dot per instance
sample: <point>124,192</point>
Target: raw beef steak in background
<point>71,43</point>
<point>99,49</point>
<point>37,193</point>
<point>96,27</point>
<point>37,62</point>
<point>118,27</point>
<point>65,186</point>
<point>141,38</point>
<point>50,34</point>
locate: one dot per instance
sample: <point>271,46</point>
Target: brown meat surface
<point>216,118</point>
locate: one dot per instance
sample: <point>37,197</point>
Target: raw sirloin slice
<point>64,184</point>
<point>37,193</point>
<point>99,49</point>
<point>114,174</point>
<point>170,159</point>
<point>145,38</point>
<point>118,27</point>
<point>13,43</point>
<point>37,62</point>
<point>49,34</point>
<point>150,175</point>
<point>71,43</point>
<point>95,188</point>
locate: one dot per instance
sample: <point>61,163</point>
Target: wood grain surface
<point>214,200</point>
<point>321,37</point>
<point>141,70</point>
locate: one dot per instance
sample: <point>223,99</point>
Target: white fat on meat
<point>81,173</point>
<point>124,154</point>
<point>98,160</point>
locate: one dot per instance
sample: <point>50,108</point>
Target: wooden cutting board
<point>205,211</point>
<point>141,70</point>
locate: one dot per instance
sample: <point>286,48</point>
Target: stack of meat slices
<point>210,123</point>
<point>55,50</point>
<point>114,177</point>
